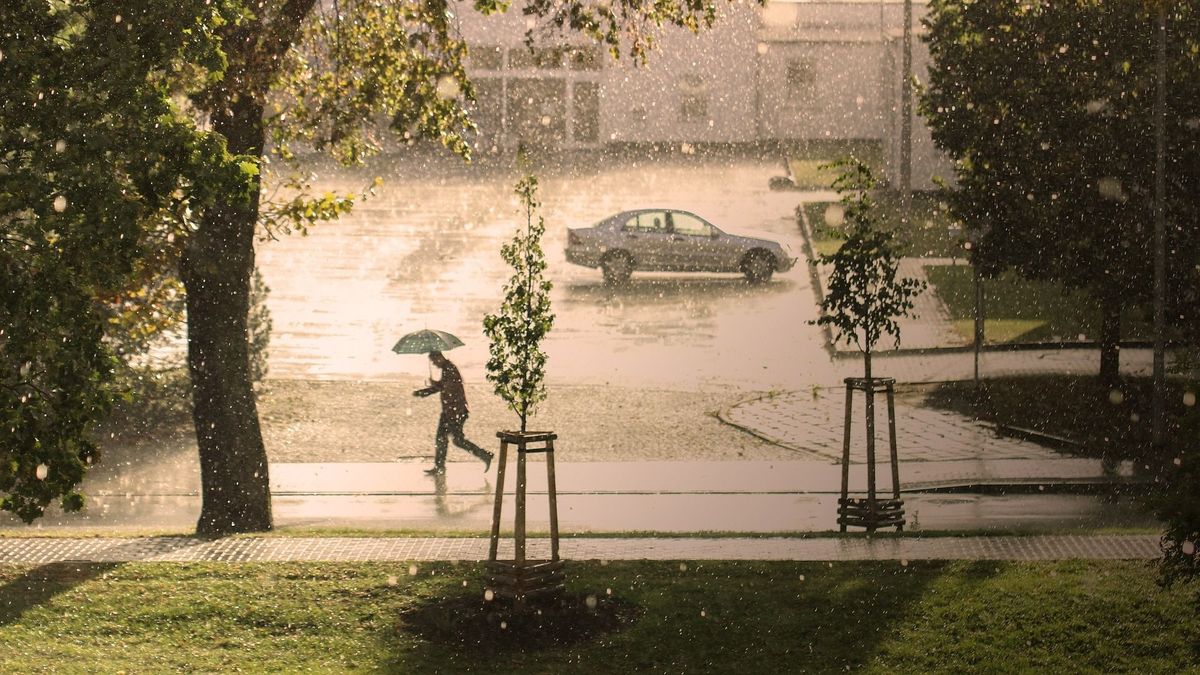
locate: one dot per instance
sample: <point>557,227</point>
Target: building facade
<point>789,71</point>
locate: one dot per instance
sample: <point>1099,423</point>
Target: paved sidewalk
<point>812,422</point>
<point>288,549</point>
<point>694,497</point>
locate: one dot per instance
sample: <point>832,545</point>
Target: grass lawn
<point>1018,310</point>
<point>1112,422</point>
<point>926,235</point>
<point>696,617</point>
<point>805,160</point>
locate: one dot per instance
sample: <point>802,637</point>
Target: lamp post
<point>1158,409</point>
<point>906,117</point>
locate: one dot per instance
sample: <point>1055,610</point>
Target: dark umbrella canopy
<point>425,341</point>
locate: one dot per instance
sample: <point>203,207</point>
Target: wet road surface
<point>425,253</point>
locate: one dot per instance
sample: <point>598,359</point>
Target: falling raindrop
<point>43,470</point>
<point>392,580</point>
<point>60,145</point>
<point>1116,396</point>
<point>590,601</point>
<point>412,570</point>
<point>489,595</point>
<point>683,567</point>
<point>1189,398</point>
<point>1188,548</point>
<point>60,203</point>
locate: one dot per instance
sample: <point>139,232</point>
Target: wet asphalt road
<point>424,253</point>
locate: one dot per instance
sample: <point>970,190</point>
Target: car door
<point>644,234</point>
<point>696,244</point>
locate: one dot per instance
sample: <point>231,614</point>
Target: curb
<point>723,416</point>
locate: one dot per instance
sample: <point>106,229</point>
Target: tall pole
<point>906,117</point>
<point>978,288</point>
<point>1160,231</point>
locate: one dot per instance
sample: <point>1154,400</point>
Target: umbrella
<point>425,341</point>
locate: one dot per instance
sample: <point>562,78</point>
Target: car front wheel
<point>758,267</point>
<point>617,267</point>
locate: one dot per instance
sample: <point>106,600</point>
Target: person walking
<point>454,415</point>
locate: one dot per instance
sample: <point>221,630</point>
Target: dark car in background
<point>671,240</point>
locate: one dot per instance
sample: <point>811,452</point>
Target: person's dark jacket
<point>454,399</point>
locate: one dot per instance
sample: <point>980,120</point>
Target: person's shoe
<point>437,470</point>
<point>487,462</point>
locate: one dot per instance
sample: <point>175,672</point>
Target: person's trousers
<point>450,427</point>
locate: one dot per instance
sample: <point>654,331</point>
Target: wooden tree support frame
<point>520,578</point>
<point>870,512</point>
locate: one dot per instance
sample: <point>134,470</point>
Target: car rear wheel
<point>617,267</point>
<point>758,267</point>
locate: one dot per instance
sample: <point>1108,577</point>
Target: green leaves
<point>864,298</point>
<point>517,366</point>
<point>99,166</point>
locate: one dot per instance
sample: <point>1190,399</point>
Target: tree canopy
<point>1047,109</point>
<point>99,171</point>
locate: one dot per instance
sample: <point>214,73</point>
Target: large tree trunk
<point>1110,339</point>
<point>216,271</point>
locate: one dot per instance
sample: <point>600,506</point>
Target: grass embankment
<point>1107,421</point>
<point>1019,310</point>
<point>807,161</point>
<point>694,617</point>
<point>925,235</point>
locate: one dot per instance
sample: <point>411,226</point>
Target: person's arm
<point>430,390</point>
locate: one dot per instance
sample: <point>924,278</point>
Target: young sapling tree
<point>863,296</point>
<point>517,367</point>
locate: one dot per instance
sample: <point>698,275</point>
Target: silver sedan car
<point>670,240</point>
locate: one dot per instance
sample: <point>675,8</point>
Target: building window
<point>587,57</point>
<point>542,58</point>
<point>485,57</point>
<point>693,99</point>
<point>801,78</point>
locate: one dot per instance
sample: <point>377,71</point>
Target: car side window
<point>647,221</point>
<point>686,223</point>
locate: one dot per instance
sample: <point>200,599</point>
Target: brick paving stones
<point>353,549</point>
<point>811,422</point>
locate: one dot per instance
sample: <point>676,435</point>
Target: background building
<point>790,71</point>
